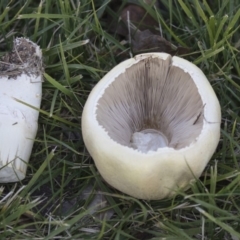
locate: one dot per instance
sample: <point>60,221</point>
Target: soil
<point>25,57</point>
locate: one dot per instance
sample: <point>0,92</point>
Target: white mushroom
<point>151,125</point>
<point>20,79</point>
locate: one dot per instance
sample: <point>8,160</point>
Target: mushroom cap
<point>149,94</point>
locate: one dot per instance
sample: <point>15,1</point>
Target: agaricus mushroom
<point>20,84</point>
<point>151,125</point>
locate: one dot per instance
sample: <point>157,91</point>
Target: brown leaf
<point>143,31</point>
<point>137,16</point>
<point>146,41</point>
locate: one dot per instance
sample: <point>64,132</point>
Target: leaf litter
<point>140,30</point>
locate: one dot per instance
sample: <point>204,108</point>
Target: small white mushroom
<point>20,79</point>
<point>151,125</point>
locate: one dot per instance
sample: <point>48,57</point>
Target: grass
<point>52,201</point>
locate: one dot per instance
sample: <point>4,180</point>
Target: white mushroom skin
<point>154,174</point>
<point>18,122</point>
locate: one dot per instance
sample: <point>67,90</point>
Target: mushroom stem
<point>148,140</point>
<point>20,79</point>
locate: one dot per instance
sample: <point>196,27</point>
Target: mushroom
<point>20,86</point>
<point>151,125</point>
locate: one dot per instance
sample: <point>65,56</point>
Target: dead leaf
<point>146,41</point>
<point>137,16</point>
<point>141,30</point>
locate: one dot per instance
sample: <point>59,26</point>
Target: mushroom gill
<point>152,104</point>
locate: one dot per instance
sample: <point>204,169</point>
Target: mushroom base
<point>10,174</point>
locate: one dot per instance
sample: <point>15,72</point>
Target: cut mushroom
<point>151,125</point>
<point>20,84</point>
